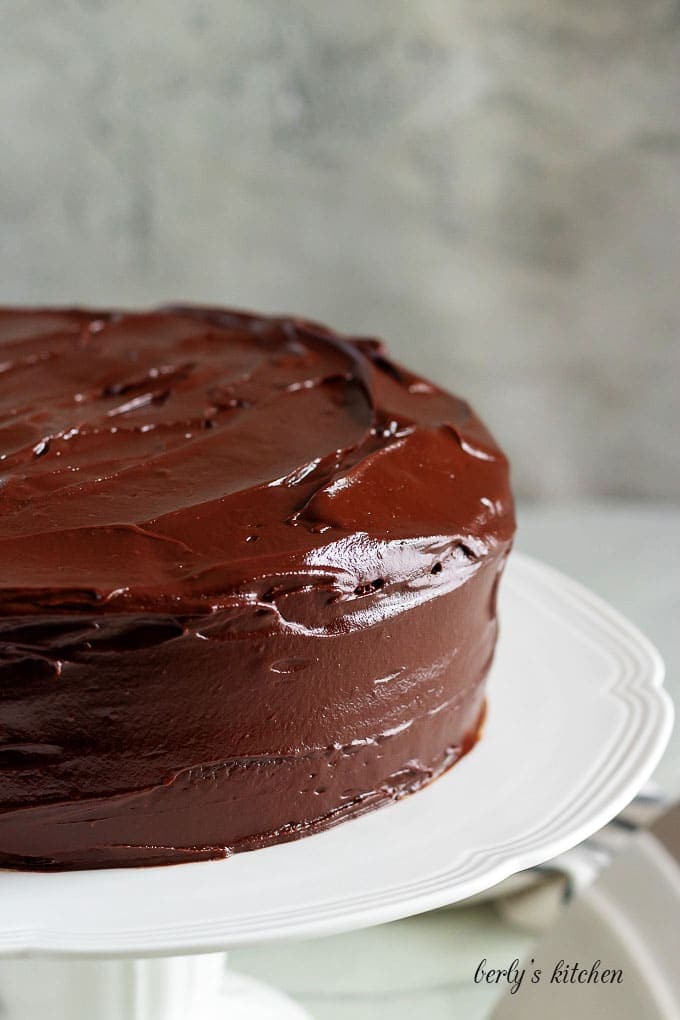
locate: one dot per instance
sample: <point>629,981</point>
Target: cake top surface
<point>183,458</point>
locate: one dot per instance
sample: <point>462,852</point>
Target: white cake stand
<point>577,721</point>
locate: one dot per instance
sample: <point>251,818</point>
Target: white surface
<point>629,920</point>
<point>419,968</point>
<point>577,721</point>
<point>166,988</point>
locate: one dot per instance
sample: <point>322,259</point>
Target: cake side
<point>250,582</point>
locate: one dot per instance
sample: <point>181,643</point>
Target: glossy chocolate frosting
<point>248,587</point>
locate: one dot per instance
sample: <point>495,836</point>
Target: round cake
<point>248,585</point>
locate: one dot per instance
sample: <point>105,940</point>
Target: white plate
<point>577,720</point>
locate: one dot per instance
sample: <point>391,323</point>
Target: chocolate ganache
<point>248,586</point>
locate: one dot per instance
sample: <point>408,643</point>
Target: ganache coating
<point>249,582</point>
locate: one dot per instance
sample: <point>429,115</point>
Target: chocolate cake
<point>248,584</point>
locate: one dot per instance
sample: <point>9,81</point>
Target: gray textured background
<point>492,186</point>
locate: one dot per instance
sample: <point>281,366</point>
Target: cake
<point>248,586</point>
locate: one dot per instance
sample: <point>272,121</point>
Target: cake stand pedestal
<point>577,720</point>
<point>165,988</point>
